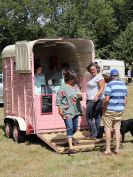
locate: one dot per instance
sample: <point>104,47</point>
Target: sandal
<point>107,153</point>
<point>90,138</point>
<point>72,151</point>
<point>75,142</point>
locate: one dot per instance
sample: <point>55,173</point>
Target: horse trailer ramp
<point>58,142</point>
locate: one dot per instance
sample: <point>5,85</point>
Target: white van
<point>107,65</point>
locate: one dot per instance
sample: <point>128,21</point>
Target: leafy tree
<point>123,12</point>
<point>123,45</point>
<point>87,19</point>
<point>19,20</point>
<point>103,21</point>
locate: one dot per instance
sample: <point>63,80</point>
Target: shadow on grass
<point>29,139</point>
<point>1,105</point>
<point>128,141</point>
<point>34,140</point>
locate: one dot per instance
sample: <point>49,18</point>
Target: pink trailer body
<point>53,122</point>
<point>18,93</point>
<point>21,104</point>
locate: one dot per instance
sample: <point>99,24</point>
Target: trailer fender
<point>21,122</point>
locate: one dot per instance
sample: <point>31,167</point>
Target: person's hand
<point>96,98</point>
<point>103,111</point>
<point>125,102</point>
<point>79,96</point>
<point>61,113</point>
<point>104,108</point>
<point>50,82</point>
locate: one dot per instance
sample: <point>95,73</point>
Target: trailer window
<point>106,67</point>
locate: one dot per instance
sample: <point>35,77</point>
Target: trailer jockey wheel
<point>18,136</point>
<point>8,129</point>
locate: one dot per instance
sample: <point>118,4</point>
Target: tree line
<point>109,23</point>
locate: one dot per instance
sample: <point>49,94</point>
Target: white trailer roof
<point>83,46</point>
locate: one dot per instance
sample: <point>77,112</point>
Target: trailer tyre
<point>18,136</point>
<point>8,129</point>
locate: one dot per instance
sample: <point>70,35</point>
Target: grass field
<point>37,160</point>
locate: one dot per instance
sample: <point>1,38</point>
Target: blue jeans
<point>94,113</point>
<point>71,126</point>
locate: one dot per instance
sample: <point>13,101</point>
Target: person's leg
<point>100,132</point>
<point>69,127</point>
<point>98,113</point>
<point>129,80</point>
<point>101,129</point>
<point>75,127</point>
<point>70,143</point>
<point>117,135</point>
<point>107,126</point>
<point>108,139</point>
<point>92,127</point>
<point>90,119</point>
<point>117,124</point>
<point>97,122</point>
<point>75,124</point>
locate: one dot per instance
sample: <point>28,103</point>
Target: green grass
<point>36,160</point>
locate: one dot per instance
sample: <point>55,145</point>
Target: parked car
<point>1,89</point>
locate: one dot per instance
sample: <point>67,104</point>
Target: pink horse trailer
<point>26,113</point>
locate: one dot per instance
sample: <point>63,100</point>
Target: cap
<point>114,72</point>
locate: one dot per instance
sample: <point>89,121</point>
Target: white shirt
<point>39,81</point>
<point>57,80</point>
<point>92,87</point>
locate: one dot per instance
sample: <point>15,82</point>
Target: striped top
<point>117,91</point>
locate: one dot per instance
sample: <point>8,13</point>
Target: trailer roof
<point>9,51</point>
<point>84,46</point>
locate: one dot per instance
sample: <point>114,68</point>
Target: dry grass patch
<point>35,160</point>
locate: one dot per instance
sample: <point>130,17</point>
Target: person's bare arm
<point>61,112</point>
<point>101,86</point>
<point>105,103</point>
<point>125,101</point>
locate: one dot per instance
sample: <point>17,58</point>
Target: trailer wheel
<point>8,129</point>
<point>18,136</point>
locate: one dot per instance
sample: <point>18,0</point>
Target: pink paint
<point>21,101</point>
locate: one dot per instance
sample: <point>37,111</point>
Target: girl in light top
<point>39,80</point>
<point>68,102</point>
<point>95,89</point>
